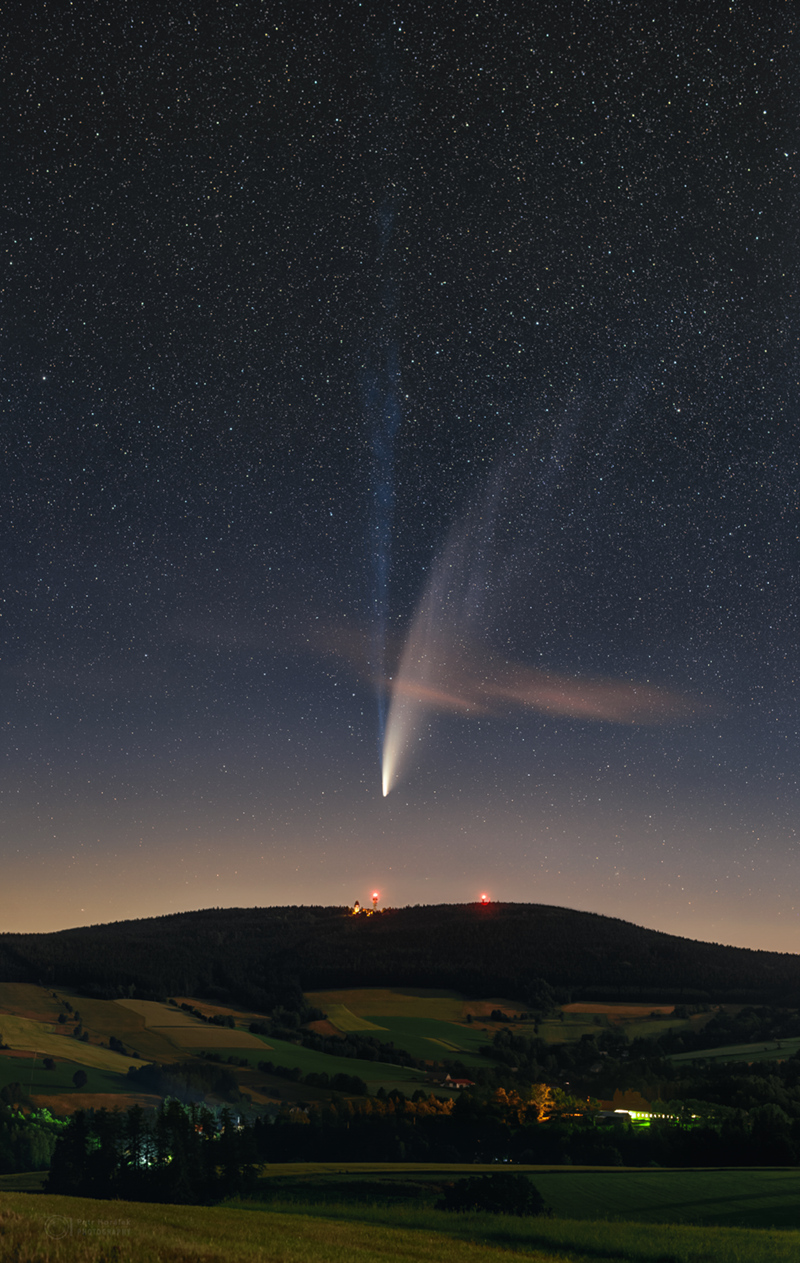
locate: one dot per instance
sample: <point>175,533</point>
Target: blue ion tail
<point>383,405</point>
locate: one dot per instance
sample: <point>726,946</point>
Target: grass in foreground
<point>76,1230</point>
<point>760,1197</point>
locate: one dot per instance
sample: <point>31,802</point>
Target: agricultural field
<point>29,1000</point>
<point>78,1230</point>
<point>402,1013</point>
<point>645,1021</point>
<point>24,1034</point>
<point>432,1040</point>
<point>446,1006</point>
<point>374,1073</point>
<point>733,1197</point>
<point>343,1019</point>
<point>430,1025</point>
<point>23,1003</point>
<point>772,1050</point>
<point>36,1081</point>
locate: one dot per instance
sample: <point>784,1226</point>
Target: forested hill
<point>261,956</point>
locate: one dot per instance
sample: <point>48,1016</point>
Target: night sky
<point>343,337</point>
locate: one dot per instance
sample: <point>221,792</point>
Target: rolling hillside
<point>265,956</point>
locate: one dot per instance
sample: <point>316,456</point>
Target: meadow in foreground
<point>51,1229</point>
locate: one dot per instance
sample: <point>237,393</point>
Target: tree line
<point>183,1153</point>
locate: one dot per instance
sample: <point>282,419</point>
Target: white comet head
<point>402,713</point>
<point>422,682</point>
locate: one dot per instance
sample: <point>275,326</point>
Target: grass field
<point>104,1018</point>
<point>759,1198</point>
<point>29,1000</point>
<point>344,1020</point>
<point>432,1040</point>
<point>430,1025</point>
<point>569,1028</point>
<point>574,1023</point>
<point>25,1034</point>
<point>447,1006</point>
<point>618,1011</point>
<point>35,1079</point>
<point>772,1050</point>
<point>101,1018</point>
<point>731,1197</point>
<point>374,1073</point>
<point>180,1030</point>
<point>203,1036</point>
<point>77,1230</point>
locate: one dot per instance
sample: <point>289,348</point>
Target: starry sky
<point>336,335</point>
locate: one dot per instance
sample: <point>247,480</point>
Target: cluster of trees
<point>213,1019</point>
<point>27,1141</point>
<point>184,1154</point>
<point>188,1081</point>
<point>531,1126</point>
<point>752,1024</point>
<point>504,1194</point>
<point>188,1153</point>
<point>349,1083</point>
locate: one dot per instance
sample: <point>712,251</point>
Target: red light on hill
<point>375,895</point>
<point>484,898</point>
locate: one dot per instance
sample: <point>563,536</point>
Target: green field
<point>40,1082</point>
<point>77,1230</point>
<point>772,1050</point>
<point>101,1018</point>
<point>570,1027</point>
<point>731,1197</point>
<point>344,1020</point>
<point>432,1040</point>
<point>27,997</point>
<point>374,1073</point>
<point>22,1033</point>
<point>430,1025</point>
<point>447,1006</point>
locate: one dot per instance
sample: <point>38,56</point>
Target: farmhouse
<point>448,1082</point>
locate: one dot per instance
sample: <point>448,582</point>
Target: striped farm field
<point>24,1034</point>
<point>432,1040</point>
<point>345,1020</point>
<point>157,1014</point>
<point>618,1010</point>
<point>104,1018</point>
<point>365,1002</point>
<point>203,1036</point>
<point>182,1030</point>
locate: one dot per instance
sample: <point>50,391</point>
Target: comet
<point>446,667</point>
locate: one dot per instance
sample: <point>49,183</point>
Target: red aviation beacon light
<point>484,898</point>
<point>375,898</point>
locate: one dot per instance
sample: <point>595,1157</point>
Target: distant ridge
<point>260,956</point>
